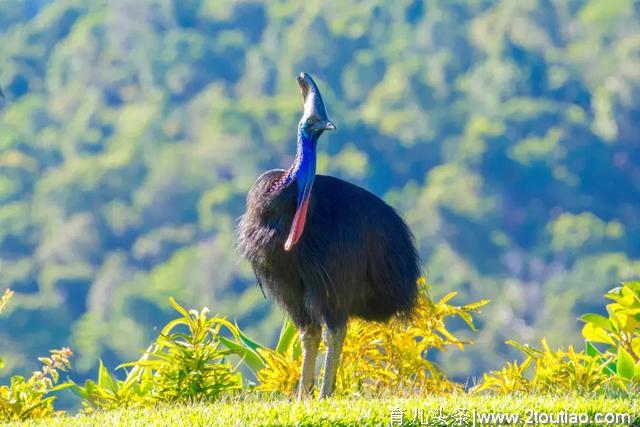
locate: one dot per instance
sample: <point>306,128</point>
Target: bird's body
<point>355,257</point>
<point>325,249</point>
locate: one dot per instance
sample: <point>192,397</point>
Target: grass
<point>252,409</point>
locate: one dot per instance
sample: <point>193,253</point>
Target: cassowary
<point>325,249</point>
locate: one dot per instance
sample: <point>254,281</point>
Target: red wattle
<point>297,226</point>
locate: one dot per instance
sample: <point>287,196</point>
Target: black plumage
<point>355,256</point>
<point>326,249</point>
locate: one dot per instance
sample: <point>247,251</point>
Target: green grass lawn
<point>449,410</point>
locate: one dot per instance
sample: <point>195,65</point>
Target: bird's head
<point>314,120</point>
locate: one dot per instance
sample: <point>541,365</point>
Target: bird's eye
<point>310,121</point>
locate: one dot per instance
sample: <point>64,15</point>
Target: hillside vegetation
<point>505,132</point>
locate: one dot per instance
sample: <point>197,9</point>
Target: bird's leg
<point>333,340</point>
<point>310,340</point>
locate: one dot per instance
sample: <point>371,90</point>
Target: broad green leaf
<point>287,333</point>
<point>250,357</point>
<point>595,334</point>
<point>104,378</point>
<point>597,320</point>
<point>626,364</point>
<point>248,341</point>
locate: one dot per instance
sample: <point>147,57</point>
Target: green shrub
<point>108,392</point>
<point>185,363</point>
<point>190,359</point>
<point>589,370</point>
<point>559,371</point>
<point>620,331</point>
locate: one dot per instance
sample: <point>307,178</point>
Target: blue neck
<point>304,165</point>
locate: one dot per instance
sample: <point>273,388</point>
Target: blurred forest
<point>507,133</point>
